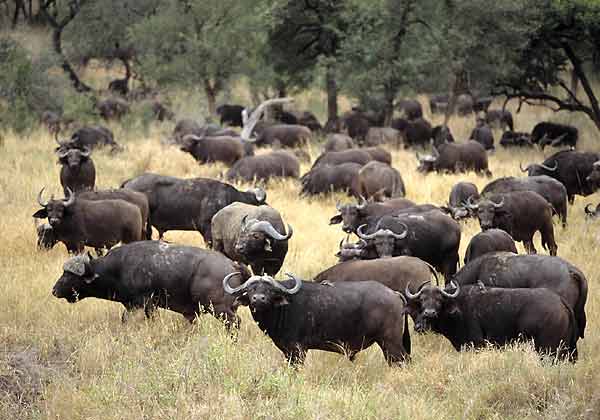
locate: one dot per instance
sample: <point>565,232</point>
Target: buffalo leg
<point>295,356</point>
<point>529,247</point>
<point>393,351</point>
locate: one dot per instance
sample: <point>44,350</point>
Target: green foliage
<point>28,86</point>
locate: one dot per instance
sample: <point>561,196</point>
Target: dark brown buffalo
<point>136,198</point>
<point>93,137</point>
<point>112,108</point>
<point>214,149</point>
<point>411,108</point>
<point>379,154</point>
<point>356,125</point>
<point>521,214</point>
<point>160,111</point>
<point>337,142</point>
<point>379,181</point>
<point>592,214</point>
<point>553,134</point>
<point>476,316</point>
<point>77,171</point>
<point>459,195</point>
<point>569,167</point>
<point>552,190</point>
<point>345,156</point>
<point>491,240</point>
<point>328,178</point>
<point>515,139</point>
<point>500,119</point>
<point>506,269</point>
<point>188,204</point>
<point>254,235</point>
<point>277,164</point>
<point>98,224</point>
<point>355,215</point>
<point>453,157</point>
<point>416,133</point>
<point>432,236</point>
<point>344,317</point>
<point>395,273</point>
<point>284,135</point>
<point>483,135</point>
<point>308,119</point>
<point>186,127</point>
<point>150,274</point>
<point>230,114</point>
<point>441,134</point>
<point>52,121</point>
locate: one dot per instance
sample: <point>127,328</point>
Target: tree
<point>306,34</point>
<point>560,54</point>
<point>195,42</point>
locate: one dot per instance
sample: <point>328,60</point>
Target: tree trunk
<point>211,97</point>
<point>332,93</point>
<point>390,95</point>
<point>574,84</point>
<point>454,84</point>
<point>66,66</point>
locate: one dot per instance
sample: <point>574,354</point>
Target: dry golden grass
<point>79,361</point>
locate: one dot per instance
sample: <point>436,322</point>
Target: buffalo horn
<point>70,199</point>
<point>362,204</point>
<point>548,168</point>
<point>62,153</point>
<point>85,152</point>
<point>231,290</point>
<point>294,289</point>
<point>588,211</point>
<point>498,205</point>
<point>456,291</point>
<point>267,228</point>
<point>526,169</point>
<point>435,276</point>
<point>470,203</point>
<point>39,198</point>
<point>596,164</point>
<point>419,291</point>
<point>364,236</point>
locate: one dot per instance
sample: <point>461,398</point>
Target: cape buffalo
<point>254,235</point>
<point>93,137</point>
<point>504,269</point>
<point>337,142</point>
<point>188,204</point>
<point>344,318</point>
<point>224,149</point>
<point>431,236</point>
<point>277,164</point>
<point>515,139</point>
<point>230,114</point>
<point>356,125</point>
<point>500,119</point>
<point>441,134</point>
<point>459,194</point>
<point>379,154</point>
<point>569,167</point>
<point>328,178</point>
<point>344,156</point>
<point>477,316</point>
<point>416,133</point>
<point>77,171</point>
<point>491,240</point>
<point>453,157</point>
<point>552,190</point>
<point>592,214</point>
<point>379,181</point>
<point>150,274</point>
<point>112,108</point>
<point>548,133</point>
<point>355,215</point>
<point>308,119</point>
<point>411,108</point>
<point>520,214</point>
<point>98,224</point>
<point>284,135</point>
<point>483,135</point>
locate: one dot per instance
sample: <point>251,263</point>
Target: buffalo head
<point>350,214</point>
<point>259,194</point>
<point>46,236</point>
<point>594,177</point>
<point>431,303</point>
<point>427,162</point>
<point>536,169</point>
<point>490,214</point>
<point>257,237</point>
<point>76,280</point>
<point>262,293</point>
<point>73,157</point>
<point>592,213</point>
<point>351,251</point>
<point>54,210</point>
<point>384,240</point>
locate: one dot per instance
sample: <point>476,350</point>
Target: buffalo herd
<point>382,279</point>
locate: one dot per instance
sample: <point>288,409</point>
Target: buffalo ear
<point>41,214</point>
<point>336,219</point>
<point>243,300</point>
<point>280,300</point>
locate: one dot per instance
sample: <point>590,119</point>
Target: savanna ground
<point>62,361</point>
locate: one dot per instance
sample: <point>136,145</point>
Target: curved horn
<point>278,285</point>
<point>498,205</point>
<point>62,154</point>
<point>362,243</point>
<point>39,198</point>
<point>526,169</point>
<point>86,151</point>
<point>268,229</point>
<point>549,168</point>
<point>70,199</point>
<point>588,211</point>
<point>419,291</point>
<point>362,235</point>
<point>400,235</point>
<point>435,276</point>
<point>230,290</point>
<point>451,295</point>
<point>363,203</point>
<point>470,204</point>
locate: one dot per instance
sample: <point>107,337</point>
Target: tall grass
<point>79,361</point>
